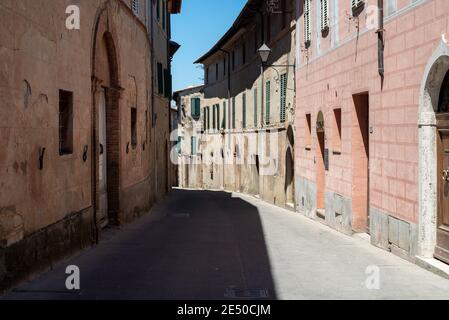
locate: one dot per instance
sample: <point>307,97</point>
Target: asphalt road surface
<point>217,245</point>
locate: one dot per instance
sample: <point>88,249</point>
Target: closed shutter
<point>218,116</point>
<point>233,113</point>
<point>268,97</point>
<point>244,110</point>
<point>195,106</point>
<point>204,119</point>
<point>356,4</point>
<point>283,96</point>
<point>223,125</point>
<point>324,15</point>
<point>135,7</point>
<point>307,22</point>
<point>213,117</point>
<point>193,145</point>
<point>255,107</point>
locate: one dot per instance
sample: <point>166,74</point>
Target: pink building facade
<point>370,121</point>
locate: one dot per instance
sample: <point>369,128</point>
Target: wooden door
<point>102,163</point>
<point>442,247</point>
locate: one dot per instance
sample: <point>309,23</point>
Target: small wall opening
<point>360,163</point>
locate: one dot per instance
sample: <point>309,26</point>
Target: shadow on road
<point>204,245</point>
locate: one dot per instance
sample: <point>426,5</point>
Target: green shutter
<point>255,107</point>
<point>268,97</point>
<point>224,116</point>
<point>233,113</point>
<point>193,145</point>
<point>218,117</point>
<point>283,96</point>
<point>244,110</point>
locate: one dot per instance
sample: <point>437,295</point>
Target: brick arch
<point>106,78</point>
<point>436,69</point>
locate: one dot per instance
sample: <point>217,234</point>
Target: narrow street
<point>216,245</point>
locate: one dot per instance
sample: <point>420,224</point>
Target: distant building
<point>242,104</point>
<point>372,103</point>
<point>84,144</point>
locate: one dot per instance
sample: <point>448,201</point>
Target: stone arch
<point>106,86</point>
<point>436,69</point>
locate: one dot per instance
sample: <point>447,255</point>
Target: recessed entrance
<point>320,166</point>
<point>360,163</point>
<point>106,131</point>
<point>442,117</point>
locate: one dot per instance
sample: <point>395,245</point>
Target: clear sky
<point>197,28</point>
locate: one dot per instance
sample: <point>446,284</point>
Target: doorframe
<point>436,69</point>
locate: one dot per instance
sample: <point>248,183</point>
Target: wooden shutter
<point>268,97</point>
<point>307,22</point>
<point>283,96</point>
<point>135,6</point>
<point>324,15</point>
<point>224,116</point>
<point>255,107</point>
<point>244,110</point>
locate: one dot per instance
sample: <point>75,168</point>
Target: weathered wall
<point>343,63</point>
<point>49,213</point>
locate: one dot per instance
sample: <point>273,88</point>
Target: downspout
<point>380,41</point>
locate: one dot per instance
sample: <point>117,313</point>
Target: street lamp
<point>264,52</point>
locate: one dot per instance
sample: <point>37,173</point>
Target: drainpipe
<point>380,40</point>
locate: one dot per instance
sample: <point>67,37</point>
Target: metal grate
<point>251,293</point>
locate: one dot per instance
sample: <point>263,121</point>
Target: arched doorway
<point>320,166</point>
<point>106,128</point>
<point>442,118</point>
<point>433,238</point>
<point>289,186</point>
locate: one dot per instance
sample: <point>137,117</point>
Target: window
<point>283,96</point>
<point>268,97</point>
<point>178,145</point>
<point>357,6</point>
<point>135,6</point>
<point>391,7</point>
<point>133,127</point>
<point>324,15</point>
<point>255,107</point>
<point>195,107</point>
<point>218,116</point>
<point>244,110</point>
<point>164,13</point>
<point>308,131</point>
<point>244,53</point>
<point>160,78</point>
<point>336,134</point>
<point>158,9</point>
<point>208,117</point>
<point>65,122</point>
<point>205,119</point>
<point>214,124</point>
<point>193,146</point>
<point>224,116</point>
<point>207,75</point>
<point>233,113</point>
<point>167,83</point>
<point>307,23</point>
